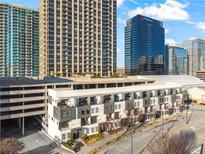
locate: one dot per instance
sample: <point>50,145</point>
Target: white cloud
<point>119,2</point>
<point>170,42</point>
<point>190,22</point>
<point>170,10</point>
<point>201,26</point>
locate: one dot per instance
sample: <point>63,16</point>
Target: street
<point>141,139</point>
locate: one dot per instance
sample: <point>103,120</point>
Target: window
<point>92,110</point>
<point>115,107</point>
<point>82,112</point>
<point>96,109</point>
<point>64,114</point>
<point>93,130</point>
<point>69,113</point>
<point>119,106</point>
<point>63,136</point>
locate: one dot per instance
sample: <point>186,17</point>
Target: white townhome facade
<point>87,112</point>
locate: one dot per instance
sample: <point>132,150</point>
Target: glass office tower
<point>19,41</point>
<point>144,46</point>
<point>177,61</point>
<point>77,37</point>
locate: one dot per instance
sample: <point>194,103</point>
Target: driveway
<point>37,143</point>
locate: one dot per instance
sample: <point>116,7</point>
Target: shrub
<point>157,114</point>
<point>71,136</point>
<point>142,118</point>
<point>10,146</point>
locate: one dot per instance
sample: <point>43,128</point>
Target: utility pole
<point>187,105</point>
<point>202,148</point>
<point>132,141</point>
<point>186,115</point>
<point>132,125</point>
<point>162,125</point>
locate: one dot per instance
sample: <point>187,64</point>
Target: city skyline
<point>79,75</point>
<point>189,21</point>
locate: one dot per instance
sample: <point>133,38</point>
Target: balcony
<point>173,98</point>
<point>145,95</point>
<point>160,93</point>
<point>109,117</point>
<point>84,111</point>
<point>137,96</point>
<point>64,113</point>
<point>84,121</point>
<point>93,120</point>
<point>116,98</point>
<point>109,108</point>
<point>129,104</point>
<point>107,99</point>
<point>63,125</point>
<point>161,99</point>
<point>82,101</point>
<point>172,91</point>
<point>93,101</point>
<point>128,96</point>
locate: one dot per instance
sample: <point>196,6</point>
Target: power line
<point>150,140</point>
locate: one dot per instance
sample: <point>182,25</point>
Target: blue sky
<point>183,19</point>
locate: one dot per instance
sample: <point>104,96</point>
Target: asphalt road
<point>140,140</point>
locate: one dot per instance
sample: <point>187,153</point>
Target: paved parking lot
<point>37,143</point>
<point>34,140</point>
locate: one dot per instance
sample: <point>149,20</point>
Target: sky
<point>183,19</point>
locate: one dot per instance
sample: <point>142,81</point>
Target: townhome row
<point>87,112</point>
<point>23,97</point>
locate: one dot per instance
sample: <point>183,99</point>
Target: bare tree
<point>10,146</point>
<point>182,143</point>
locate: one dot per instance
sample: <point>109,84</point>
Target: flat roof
<point>106,91</point>
<point>13,81</point>
<point>184,80</point>
<point>24,81</point>
<point>89,80</point>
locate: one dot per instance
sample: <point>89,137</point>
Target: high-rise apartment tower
<point>19,41</point>
<point>196,55</point>
<point>77,37</point>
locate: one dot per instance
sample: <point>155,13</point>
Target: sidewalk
<point>106,139</point>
